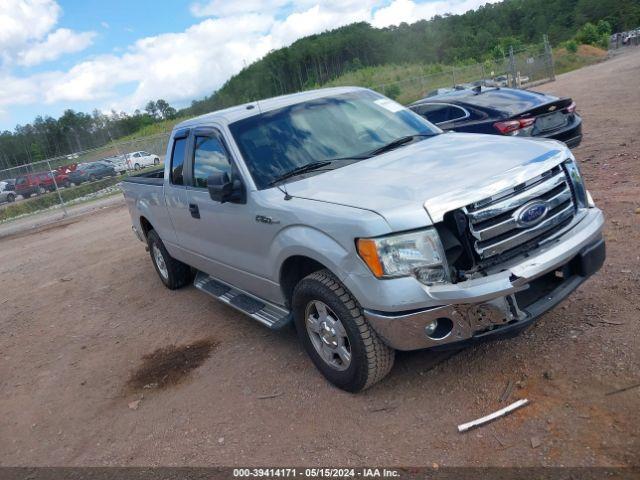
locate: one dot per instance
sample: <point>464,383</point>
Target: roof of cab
<point>232,114</point>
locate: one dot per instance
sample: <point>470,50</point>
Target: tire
<point>156,161</point>
<point>42,190</point>
<point>66,184</point>
<point>26,195</point>
<point>370,360</point>
<point>174,274</point>
<point>11,198</point>
<point>92,178</point>
<point>136,167</point>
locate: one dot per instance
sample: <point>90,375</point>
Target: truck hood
<point>438,174</point>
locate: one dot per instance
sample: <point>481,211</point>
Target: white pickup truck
<point>357,220</point>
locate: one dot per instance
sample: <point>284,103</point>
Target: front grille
<point>494,226</point>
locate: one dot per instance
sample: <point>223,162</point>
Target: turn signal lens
<point>369,253</point>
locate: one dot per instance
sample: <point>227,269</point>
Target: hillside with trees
<point>450,39</point>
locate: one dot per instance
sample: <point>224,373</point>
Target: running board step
<point>273,316</point>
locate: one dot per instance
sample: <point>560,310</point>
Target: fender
<point>313,243</point>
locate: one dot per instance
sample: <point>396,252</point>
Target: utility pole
<point>549,57</point>
<point>512,67</point>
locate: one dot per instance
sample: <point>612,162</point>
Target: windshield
<point>350,125</point>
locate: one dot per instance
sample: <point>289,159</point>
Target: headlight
<point>417,253</point>
<point>577,182</point>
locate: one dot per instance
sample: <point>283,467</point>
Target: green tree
<point>152,109</point>
<point>604,27</point>
<point>588,34</point>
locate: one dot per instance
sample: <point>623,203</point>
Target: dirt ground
<point>81,306</point>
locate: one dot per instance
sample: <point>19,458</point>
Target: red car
<point>39,183</point>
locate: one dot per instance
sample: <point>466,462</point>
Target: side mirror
<point>222,189</point>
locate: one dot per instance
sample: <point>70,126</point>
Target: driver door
<point>221,235</point>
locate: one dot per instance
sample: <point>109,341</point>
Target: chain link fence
<point>621,40</point>
<point>522,69</point>
<point>61,182</point>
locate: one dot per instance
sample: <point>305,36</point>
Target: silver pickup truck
<point>348,215</point>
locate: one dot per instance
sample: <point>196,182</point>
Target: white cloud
<point>105,24</point>
<point>22,21</point>
<point>408,11</point>
<point>54,46</point>
<point>172,65</point>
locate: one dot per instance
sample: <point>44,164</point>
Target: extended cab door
<point>222,235</point>
<point>175,190</point>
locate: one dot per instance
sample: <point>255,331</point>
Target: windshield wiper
<point>309,167</point>
<point>398,142</point>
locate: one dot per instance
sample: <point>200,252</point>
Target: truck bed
<point>153,177</point>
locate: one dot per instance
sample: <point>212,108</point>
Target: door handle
<point>195,211</point>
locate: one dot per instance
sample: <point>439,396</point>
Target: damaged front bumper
<point>504,302</point>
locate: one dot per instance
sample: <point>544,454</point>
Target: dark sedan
<point>503,111</point>
<point>88,172</point>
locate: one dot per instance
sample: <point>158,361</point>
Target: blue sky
<point>119,54</point>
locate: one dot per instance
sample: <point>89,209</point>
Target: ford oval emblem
<point>531,214</point>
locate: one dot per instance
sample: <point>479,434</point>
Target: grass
<point>165,126</point>
<point>565,61</point>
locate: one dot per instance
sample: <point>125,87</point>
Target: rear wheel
<point>41,191</point>
<point>156,161</point>
<point>173,273</point>
<point>92,178</point>
<point>26,195</point>
<point>11,198</point>
<point>335,334</point>
<point>136,166</point>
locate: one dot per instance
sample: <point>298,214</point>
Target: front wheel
<point>173,273</point>
<point>136,167</point>
<point>335,334</point>
<point>156,161</point>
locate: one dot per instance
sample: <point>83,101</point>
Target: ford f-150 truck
<point>350,216</point>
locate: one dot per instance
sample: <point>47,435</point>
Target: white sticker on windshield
<point>389,105</point>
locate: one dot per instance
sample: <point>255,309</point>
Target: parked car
<point>6,193</point>
<point>354,218</point>
<point>141,159</point>
<point>10,183</point>
<point>503,111</point>
<point>89,172</point>
<point>34,184</point>
<point>61,180</point>
<point>119,164</point>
